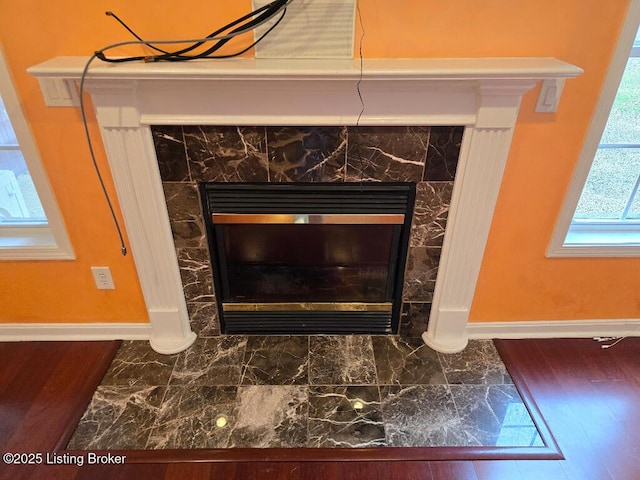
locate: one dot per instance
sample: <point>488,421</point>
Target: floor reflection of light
<point>517,429</point>
<point>221,421</point>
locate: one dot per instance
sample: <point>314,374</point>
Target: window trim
<point>31,242</point>
<point>560,244</point>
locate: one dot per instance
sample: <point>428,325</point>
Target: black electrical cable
<point>123,247</point>
<point>266,13</point>
<point>269,11</point>
<point>171,56</point>
<point>254,43</point>
<point>207,54</point>
<point>179,52</point>
<point>117,18</point>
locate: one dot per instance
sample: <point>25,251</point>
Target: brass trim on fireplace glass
<point>309,306</point>
<point>308,218</point>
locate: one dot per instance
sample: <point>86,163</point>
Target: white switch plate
<point>102,277</point>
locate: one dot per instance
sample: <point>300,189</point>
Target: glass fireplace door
<point>307,263</point>
<point>303,264</point>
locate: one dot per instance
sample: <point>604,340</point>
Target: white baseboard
<point>25,332</point>
<point>555,329</point>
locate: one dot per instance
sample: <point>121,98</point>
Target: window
<point>19,200</point>
<point>601,214</point>
<point>31,227</point>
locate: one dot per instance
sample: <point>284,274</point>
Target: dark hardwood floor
<point>589,396</point>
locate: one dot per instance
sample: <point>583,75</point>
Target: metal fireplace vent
<point>308,258</point>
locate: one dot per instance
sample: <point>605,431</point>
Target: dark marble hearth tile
<point>341,360</point>
<point>386,154</point>
<point>420,274</point>
<point>414,319</point>
<point>430,213</point>
<point>227,154</point>
<point>334,423</point>
<point>171,154</point>
<point>136,364</point>
<point>118,417</point>
<point>420,416</point>
<point>444,151</point>
<point>211,361</point>
<point>204,319</point>
<point>183,201</point>
<point>406,361</point>
<point>195,271</point>
<point>307,154</point>
<point>276,360</point>
<point>269,416</point>
<point>478,363</point>
<point>494,415</point>
<point>187,418</point>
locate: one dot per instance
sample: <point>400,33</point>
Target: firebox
<point>308,258</point>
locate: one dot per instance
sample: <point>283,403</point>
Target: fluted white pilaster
<point>482,160</point>
<point>132,160</point>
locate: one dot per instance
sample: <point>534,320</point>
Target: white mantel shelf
<point>481,94</point>
<point>275,69</point>
<point>59,77</point>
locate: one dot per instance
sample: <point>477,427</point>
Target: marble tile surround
<point>425,155</point>
<point>302,394</point>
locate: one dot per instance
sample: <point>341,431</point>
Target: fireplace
<point>481,94</point>
<point>308,258</point>
<point>295,161</point>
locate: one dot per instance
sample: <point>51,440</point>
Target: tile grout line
<point>164,397</point>
<point>376,385</point>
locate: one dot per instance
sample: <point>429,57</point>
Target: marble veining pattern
<point>204,318</point>
<point>421,415</point>
<point>276,360</point>
<point>406,361</point>
<point>195,271</point>
<point>191,154</point>
<point>414,318</point>
<point>186,418</point>
<point>226,154</point>
<point>491,414</point>
<point>341,360</point>
<point>171,153</point>
<point>308,154</point>
<point>136,364</point>
<point>187,223</point>
<point>118,415</point>
<point>479,363</point>
<point>211,361</point>
<point>334,422</point>
<point>443,153</point>
<point>430,213</point>
<point>384,154</point>
<point>302,391</point>
<point>420,274</point>
<point>270,416</point>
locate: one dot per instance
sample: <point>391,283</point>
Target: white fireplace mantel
<point>483,94</point>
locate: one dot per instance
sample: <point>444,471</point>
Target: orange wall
<point>516,282</point>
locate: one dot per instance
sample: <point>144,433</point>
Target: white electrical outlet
<point>102,277</point>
